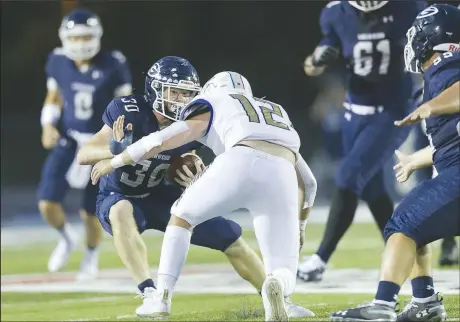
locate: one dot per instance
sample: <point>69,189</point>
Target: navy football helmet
<point>171,73</point>
<point>80,34</point>
<point>367,6</point>
<point>435,29</point>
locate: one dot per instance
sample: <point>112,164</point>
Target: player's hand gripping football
<point>185,177</point>
<point>50,136</point>
<point>100,169</point>
<point>404,168</point>
<point>421,113</point>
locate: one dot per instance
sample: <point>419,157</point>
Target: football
<point>187,159</point>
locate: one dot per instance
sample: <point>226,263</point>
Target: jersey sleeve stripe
<point>200,101</point>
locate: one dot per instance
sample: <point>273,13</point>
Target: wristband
<point>50,114</point>
<point>117,161</point>
<point>116,147</point>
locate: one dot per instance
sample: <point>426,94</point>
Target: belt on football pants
<point>363,109</point>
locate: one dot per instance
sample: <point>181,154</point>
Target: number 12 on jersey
<point>267,112</point>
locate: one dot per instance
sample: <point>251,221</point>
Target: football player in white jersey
<point>258,167</point>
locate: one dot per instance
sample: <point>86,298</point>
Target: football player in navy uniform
<point>82,80</point>
<point>370,35</point>
<point>431,210</point>
<point>136,197</point>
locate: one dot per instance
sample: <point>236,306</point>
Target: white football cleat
<point>66,245</point>
<point>155,305</point>
<point>273,299</point>
<point>89,267</point>
<point>295,310</point>
<point>312,269</point>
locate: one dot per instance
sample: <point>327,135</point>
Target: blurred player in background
<point>255,168</point>
<point>82,80</point>
<point>135,197</point>
<point>370,36</point>
<point>431,210</point>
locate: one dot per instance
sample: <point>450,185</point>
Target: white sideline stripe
<point>126,316</point>
<point>44,288</point>
<point>118,317</point>
<point>67,301</point>
<point>90,319</point>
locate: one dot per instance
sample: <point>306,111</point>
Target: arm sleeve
<point>198,107</point>
<point>111,113</point>
<point>330,37</point>
<point>448,72</point>
<point>309,181</point>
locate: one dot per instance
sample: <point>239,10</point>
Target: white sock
<point>425,299</point>
<point>288,280</point>
<point>390,304</point>
<point>318,261</point>
<point>64,231</point>
<point>174,250</point>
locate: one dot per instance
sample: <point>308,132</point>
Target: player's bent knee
<point>399,223</point>
<point>48,207</point>
<point>121,215</point>
<point>424,250</point>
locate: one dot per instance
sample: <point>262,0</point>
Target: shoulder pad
<point>58,51</point>
<point>118,56</point>
<point>196,109</point>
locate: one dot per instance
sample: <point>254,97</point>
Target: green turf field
<point>361,248</point>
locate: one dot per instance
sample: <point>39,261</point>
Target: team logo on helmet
<point>154,70</point>
<point>430,11</point>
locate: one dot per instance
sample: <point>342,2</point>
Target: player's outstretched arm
<point>307,193</point>
<point>171,137</point>
<point>409,163</point>
<point>97,148</point>
<point>448,102</point>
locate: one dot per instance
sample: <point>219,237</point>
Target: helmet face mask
<point>171,83</point>
<point>367,6</point>
<point>80,35</point>
<point>413,64</point>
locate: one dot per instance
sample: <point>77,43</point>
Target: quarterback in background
<point>82,80</point>
<point>257,167</point>
<point>431,210</point>
<point>370,35</point>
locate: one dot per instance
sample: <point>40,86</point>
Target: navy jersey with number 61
<point>86,93</point>
<point>373,45</point>
<point>443,130</point>
<point>141,178</point>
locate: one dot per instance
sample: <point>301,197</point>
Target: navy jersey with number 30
<point>443,130</point>
<point>141,178</point>
<point>372,45</point>
<point>86,93</point>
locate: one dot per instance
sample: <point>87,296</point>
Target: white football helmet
<point>81,23</point>
<point>228,81</point>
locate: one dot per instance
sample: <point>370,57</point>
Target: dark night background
<point>266,41</point>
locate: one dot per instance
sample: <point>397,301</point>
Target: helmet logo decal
<point>430,11</point>
<point>154,70</point>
